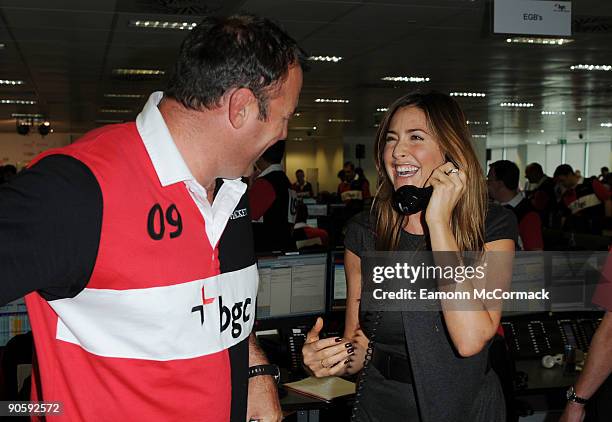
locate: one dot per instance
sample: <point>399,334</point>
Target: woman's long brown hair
<point>448,126</point>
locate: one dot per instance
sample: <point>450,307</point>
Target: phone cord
<point>366,362</point>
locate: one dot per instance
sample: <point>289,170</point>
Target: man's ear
<point>242,103</point>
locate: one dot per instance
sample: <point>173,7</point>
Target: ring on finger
<point>451,171</point>
<point>322,364</point>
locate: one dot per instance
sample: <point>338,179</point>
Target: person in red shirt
<point>272,203</point>
<point>502,183</point>
<point>585,205</point>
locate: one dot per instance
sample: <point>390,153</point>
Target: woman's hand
<point>360,344</point>
<point>448,185</point>
<point>326,357</point>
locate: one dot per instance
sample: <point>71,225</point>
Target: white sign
<point>532,17</point>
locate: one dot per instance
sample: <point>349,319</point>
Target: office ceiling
<point>65,52</point>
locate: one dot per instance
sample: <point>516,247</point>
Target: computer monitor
<point>338,290</point>
<point>317,210</point>
<point>13,320</point>
<point>292,289</point>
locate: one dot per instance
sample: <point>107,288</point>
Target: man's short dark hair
<point>604,169</point>
<point>240,51</point>
<point>537,168</point>
<point>299,171</point>
<point>350,164</point>
<point>563,170</point>
<point>275,153</point>
<point>507,172</point>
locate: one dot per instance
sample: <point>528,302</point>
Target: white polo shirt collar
<point>171,168</point>
<point>270,169</point>
<point>514,201</point>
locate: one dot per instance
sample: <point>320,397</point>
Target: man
<point>595,376</point>
<point>541,193</point>
<point>584,206</point>
<point>134,241</point>
<point>301,186</point>
<point>502,184</point>
<point>272,203</point>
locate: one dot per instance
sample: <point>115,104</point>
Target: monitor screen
<point>291,285</point>
<point>338,282</point>
<point>13,320</point>
<point>317,210</point>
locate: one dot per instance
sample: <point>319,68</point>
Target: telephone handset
<point>410,199</point>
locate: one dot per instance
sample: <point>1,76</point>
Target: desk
<point>307,408</point>
<point>540,378</point>
<point>545,389</point>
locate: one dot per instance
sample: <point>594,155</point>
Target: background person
<point>584,206</point>
<point>301,186</point>
<point>502,184</point>
<point>272,202</point>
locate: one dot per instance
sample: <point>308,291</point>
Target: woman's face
<point>411,152</point>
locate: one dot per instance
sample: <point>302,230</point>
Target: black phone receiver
<point>409,199</point>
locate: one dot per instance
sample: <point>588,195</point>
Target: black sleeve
<point>500,224</point>
<point>50,222</point>
<point>359,236</point>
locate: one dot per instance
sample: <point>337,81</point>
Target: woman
<point>426,366</point>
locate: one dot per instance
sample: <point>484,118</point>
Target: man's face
<point>567,181</point>
<point>530,174</point>
<point>349,173</point>
<point>300,176</point>
<point>265,133</point>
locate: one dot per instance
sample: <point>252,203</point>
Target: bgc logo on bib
<point>232,316</point>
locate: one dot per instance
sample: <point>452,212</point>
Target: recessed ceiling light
<point>518,105</point>
<point>468,94</point>
<point>10,82</point>
<point>544,41</point>
<point>297,139</point>
<point>476,122</point>
<point>553,113</point>
<point>123,95</point>
<point>147,72</point>
<point>405,79</point>
<point>604,67</point>
<point>163,24</point>
<point>606,124</point>
<point>579,119</point>
<point>339,120</point>
<point>331,100</point>
<point>115,110</point>
<point>381,109</point>
<point>334,59</point>
<point>479,136</point>
<point>541,130</point>
<point>1,46</point>
<point>20,102</point>
<point>303,128</point>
